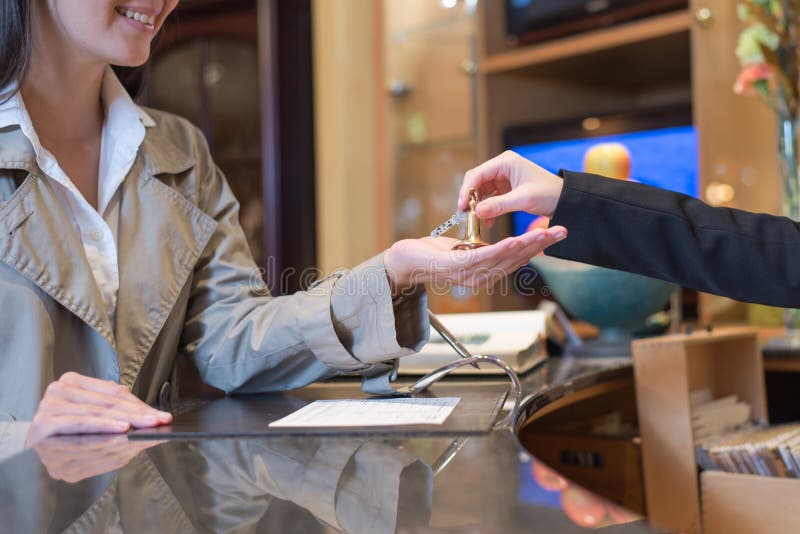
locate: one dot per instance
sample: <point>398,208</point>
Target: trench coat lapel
<point>161,236</point>
<point>33,241</point>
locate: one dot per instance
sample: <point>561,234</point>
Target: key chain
<point>457,218</point>
<point>472,239</point>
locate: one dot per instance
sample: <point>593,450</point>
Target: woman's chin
<point>130,52</point>
<point>131,59</point>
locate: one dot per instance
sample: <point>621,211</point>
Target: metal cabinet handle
<point>704,17</point>
<point>398,88</point>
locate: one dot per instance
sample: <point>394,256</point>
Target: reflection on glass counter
<point>110,484</point>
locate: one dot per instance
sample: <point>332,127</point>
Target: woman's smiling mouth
<point>137,18</point>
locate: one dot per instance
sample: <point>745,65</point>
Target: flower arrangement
<point>767,51</point>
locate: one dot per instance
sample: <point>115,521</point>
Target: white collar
<point>118,103</point>
<point>123,132</point>
<point>113,95</point>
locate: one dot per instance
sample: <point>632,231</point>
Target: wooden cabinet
<point>737,135</point>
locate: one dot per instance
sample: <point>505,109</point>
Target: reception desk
<point>484,483</point>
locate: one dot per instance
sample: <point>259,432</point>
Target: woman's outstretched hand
<point>509,183</point>
<point>78,404</point>
<point>430,259</point>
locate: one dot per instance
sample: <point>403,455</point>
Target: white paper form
<point>370,412</point>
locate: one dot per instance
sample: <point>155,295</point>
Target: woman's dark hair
<point>15,43</point>
<point>15,51</point>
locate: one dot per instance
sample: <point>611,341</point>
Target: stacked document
<point>755,450</point>
<point>717,416</point>
<point>517,338</point>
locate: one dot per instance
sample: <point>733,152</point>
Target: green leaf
<point>762,14</point>
<point>751,42</point>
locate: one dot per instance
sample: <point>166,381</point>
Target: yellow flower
<point>748,50</point>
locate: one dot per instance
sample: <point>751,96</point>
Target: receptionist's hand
<point>509,183</point>
<point>77,404</point>
<point>430,259</point>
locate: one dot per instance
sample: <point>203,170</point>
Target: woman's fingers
<point>126,407</point>
<point>94,384</point>
<point>137,418</point>
<point>516,200</point>
<point>487,265</point>
<point>105,388</point>
<point>495,170</point>
<point>465,267</point>
<point>46,426</point>
<point>536,243</point>
<point>521,185</point>
<point>81,389</point>
<point>77,404</point>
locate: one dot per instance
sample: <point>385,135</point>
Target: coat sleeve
<point>645,230</point>
<point>242,339</point>
<point>12,438</point>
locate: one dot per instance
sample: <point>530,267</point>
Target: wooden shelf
<point>626,34</point>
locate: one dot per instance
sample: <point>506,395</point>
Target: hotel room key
<point>472,239</point>
<point>457,218</point>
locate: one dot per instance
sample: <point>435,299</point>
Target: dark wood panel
<point>296,90</point>
<point>282,32</point>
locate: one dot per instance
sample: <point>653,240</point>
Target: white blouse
<point>123,133</point>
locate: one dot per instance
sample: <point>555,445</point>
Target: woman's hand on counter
<point>508,183</point>
<point>77,404</point>
<point>430,259</point>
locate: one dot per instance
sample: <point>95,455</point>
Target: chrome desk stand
<point>468,359</point>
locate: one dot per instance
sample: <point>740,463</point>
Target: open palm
<point>428,259</point>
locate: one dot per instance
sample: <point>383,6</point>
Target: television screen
<point>665,157</point>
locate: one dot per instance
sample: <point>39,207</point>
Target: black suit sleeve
<point>645,230</point>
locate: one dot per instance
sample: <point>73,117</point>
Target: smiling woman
<point>121,247</point>
<point>146,21</point>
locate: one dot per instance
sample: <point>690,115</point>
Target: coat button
<point>96,235</point>
<point>164,395</point>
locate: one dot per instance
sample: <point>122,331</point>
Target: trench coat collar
<point>159,153</point>
<point>161,236</point>
<point>32,241</point>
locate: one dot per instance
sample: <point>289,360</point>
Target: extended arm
<point>632,227</point>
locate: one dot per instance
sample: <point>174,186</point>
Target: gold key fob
<point>472,239</point>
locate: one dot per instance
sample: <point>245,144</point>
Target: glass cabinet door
<point>213,82</point>
<point>430,63</point>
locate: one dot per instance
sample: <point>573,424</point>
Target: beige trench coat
<point>186,290</point>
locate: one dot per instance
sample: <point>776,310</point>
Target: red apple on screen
<point>608,159</point>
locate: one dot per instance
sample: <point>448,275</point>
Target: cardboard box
<point>744,504</point>
<point>666,370</point>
